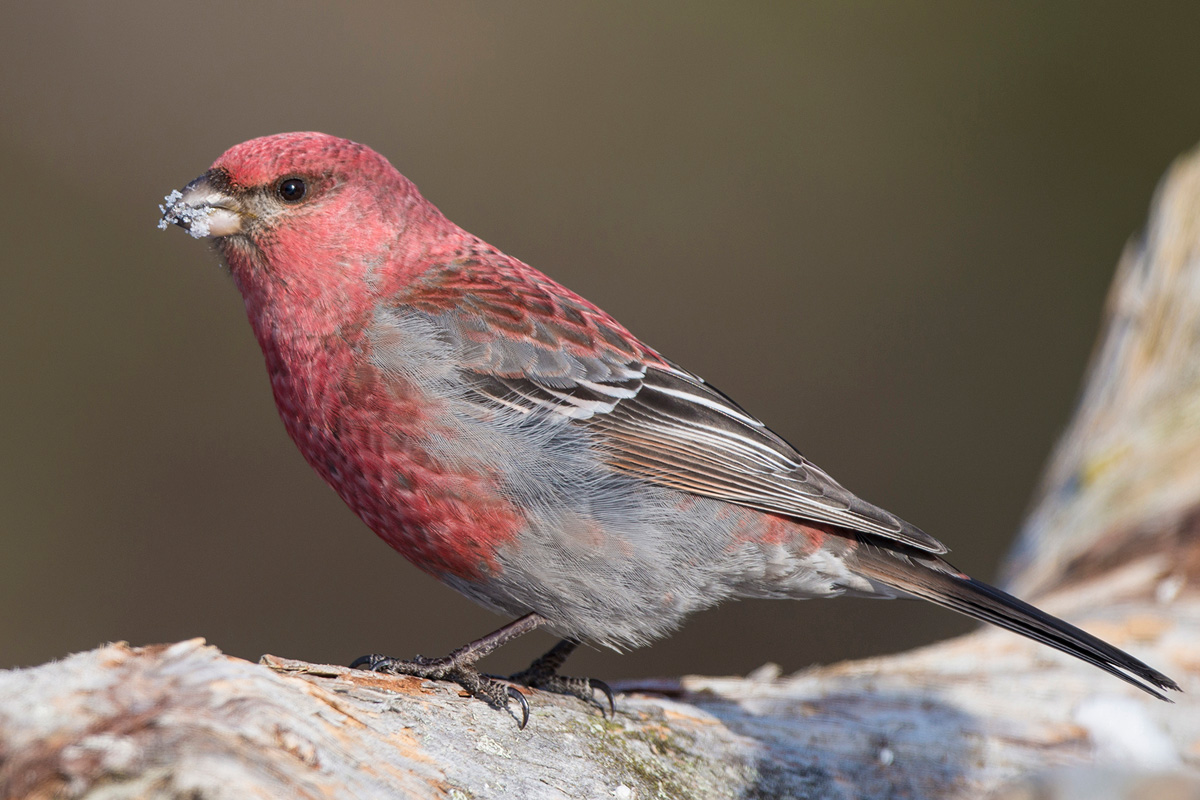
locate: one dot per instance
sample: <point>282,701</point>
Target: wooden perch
<point>1113,544</point>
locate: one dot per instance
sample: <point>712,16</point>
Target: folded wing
<point>529,345</point>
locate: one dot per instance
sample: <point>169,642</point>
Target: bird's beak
<point>203,208</point>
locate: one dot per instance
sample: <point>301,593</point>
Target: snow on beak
<point>201,210</point>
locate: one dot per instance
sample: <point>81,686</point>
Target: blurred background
<point>886,229</point>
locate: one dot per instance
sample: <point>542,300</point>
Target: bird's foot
<point>543,674</point>
<point>482,687</point>
<point>459,667</point>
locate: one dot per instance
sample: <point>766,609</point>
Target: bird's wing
<point>530,345</point>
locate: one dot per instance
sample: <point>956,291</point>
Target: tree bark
<point>1112,543</point>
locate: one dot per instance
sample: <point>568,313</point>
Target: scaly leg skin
<point>543,674</point>
<point>459,667</point>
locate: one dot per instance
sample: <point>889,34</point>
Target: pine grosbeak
<point>518,443</point>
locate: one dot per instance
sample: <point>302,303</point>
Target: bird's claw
<point>517,695</point>
<point>374,662</point>
<point>543,674</point>
<point>601,686</point>
<point>583,688</point>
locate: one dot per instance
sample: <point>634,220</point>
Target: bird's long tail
<point>929,578</point>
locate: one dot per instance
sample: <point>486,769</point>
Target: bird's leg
<point>543,674</point>
<point>459,666</point>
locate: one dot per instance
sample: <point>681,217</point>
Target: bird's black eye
<point>292,190</point>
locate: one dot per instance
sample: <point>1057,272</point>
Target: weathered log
<point>1113,543</point>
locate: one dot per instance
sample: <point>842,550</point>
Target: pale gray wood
<point>1123,481</point>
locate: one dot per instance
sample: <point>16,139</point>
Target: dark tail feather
<point>932,579</point>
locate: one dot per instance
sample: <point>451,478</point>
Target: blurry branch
<point>1111,543</point>
<point>1123,483</point>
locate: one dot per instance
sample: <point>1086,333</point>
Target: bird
<point>516,442</point>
